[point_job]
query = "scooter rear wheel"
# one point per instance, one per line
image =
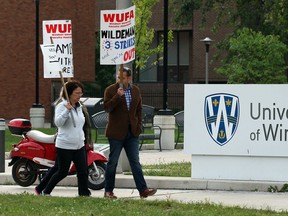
(23, 173)
(96, 181)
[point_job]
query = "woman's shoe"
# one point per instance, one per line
(44, 194)
(36, 191)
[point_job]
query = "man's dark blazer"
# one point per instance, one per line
(120, 118)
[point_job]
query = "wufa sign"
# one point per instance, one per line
(57, 48)
(117, 40)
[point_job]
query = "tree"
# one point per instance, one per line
(253, 14)
(184, 9)
(254, 58)
(265, 16)
(144, 34)
(277, 16)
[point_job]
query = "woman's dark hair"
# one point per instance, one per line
(71, 86)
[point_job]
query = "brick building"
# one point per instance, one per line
(18, 53)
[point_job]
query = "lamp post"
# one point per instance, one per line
(37, 104)
(37, 111)
(165, 118)
(207, 41)
(165, 56)
(165, 110)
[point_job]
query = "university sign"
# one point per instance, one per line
(221, 116)
(237, 131)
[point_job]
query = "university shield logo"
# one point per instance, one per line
(221, 116)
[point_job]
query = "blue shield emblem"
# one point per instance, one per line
(221, 116)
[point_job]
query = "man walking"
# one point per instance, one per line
(123, 102)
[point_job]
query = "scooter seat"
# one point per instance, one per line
(41, 137)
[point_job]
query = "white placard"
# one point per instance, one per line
(237, 132)
(59, 33)
(117, 39)
(254, 120)
(50, 61)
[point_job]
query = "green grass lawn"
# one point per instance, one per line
(28, 204)
(182, 169)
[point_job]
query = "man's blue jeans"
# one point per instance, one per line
(131, 146)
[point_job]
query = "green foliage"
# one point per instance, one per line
(275, 189)
(254, 58)
(268, 23)
(276, 18)
(144, 34)
(184, 10)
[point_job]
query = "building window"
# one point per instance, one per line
(178, 60)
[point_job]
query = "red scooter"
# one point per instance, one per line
(36, 153)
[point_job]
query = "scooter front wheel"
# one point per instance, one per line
(23, 173)
(96, 178)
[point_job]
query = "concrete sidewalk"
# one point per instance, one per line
(250, 194)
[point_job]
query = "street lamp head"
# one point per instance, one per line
(207, 41)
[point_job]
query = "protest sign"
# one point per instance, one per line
(51, 62)
(59, 33)
(117, 38)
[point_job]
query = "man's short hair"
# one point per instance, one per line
(127, 70)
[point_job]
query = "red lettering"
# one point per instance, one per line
(128, 55)
(69, 28)
(131, 14)
(109, 17)
(50, 28)
(62, 28)
(119, 17)
(127, 15)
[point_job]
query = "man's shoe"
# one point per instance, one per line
(110, 195)
(147, 192)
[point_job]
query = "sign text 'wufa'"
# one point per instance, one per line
(117, 40)
(57, 48)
